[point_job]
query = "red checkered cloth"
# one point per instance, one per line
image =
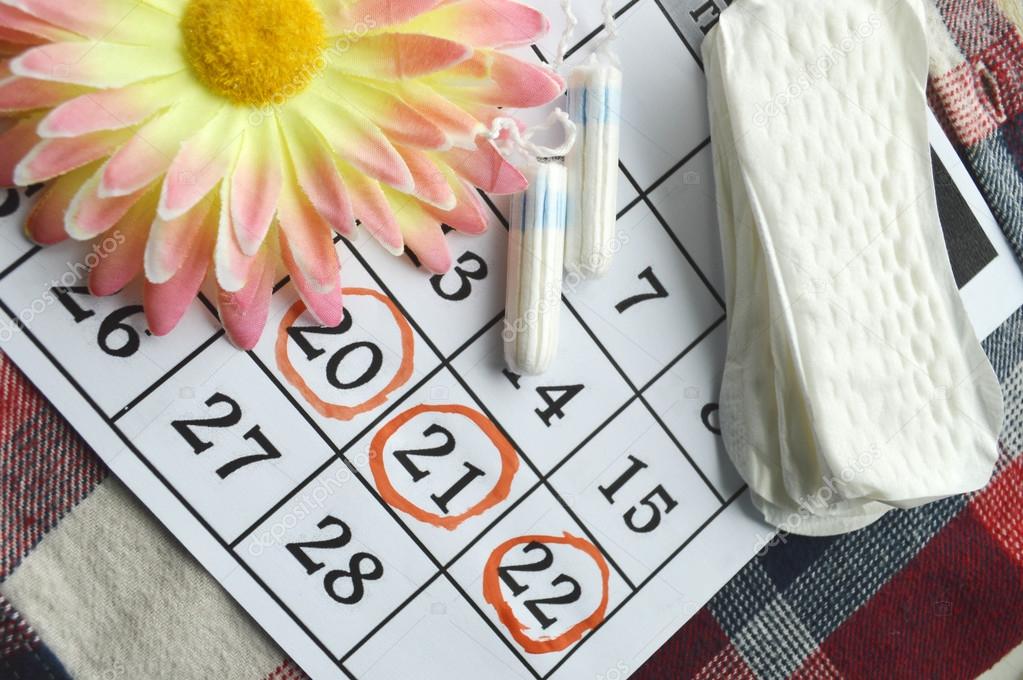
(932, 592)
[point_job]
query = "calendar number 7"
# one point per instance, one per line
(659, 291)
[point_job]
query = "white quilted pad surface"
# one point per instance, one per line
(854, 381)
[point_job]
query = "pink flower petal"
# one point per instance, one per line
(318, 175)
(172, 243)
(355, 139)
(458, 125)
(90, 214)
(165, 303)
(150, 151)
(109, 109)
(309, 241)
(483, 23)
(396, 56)
(45, 223)
(244, 313)
(326, 306)
(53, 157)
(373, 210)
(113, 20)
(100, 64)
(26, 23)
(256, 185)
(15, 143)
(200, 164)
(431, 183)
(16, 37)
(486, 168)
(502, 80)
(345, 16)
(402, 123)
(233, 267)
(469, 215)
(24, 94)
(423, 234)
(118, 267)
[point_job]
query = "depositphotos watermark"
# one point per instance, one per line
(811, 504)
(311, 504)
(73, 274)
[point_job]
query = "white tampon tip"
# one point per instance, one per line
(594, 105)
(536, 254)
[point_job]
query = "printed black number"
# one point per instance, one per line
(649, 501)
(64, 297)
(10, 203)
(571, 596)
(117, 322)
(709, 416)
(555, 397)
(186, 428)
(114, 327)
(446, 448)
(546, 561)
(12, 200)
(376, 356)
(466, 276)
(659, 291)
(354, 572)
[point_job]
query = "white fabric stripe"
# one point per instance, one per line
(115, 596)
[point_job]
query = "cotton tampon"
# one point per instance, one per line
(536, 252)
(594, 103)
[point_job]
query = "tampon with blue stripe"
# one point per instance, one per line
(536, 252)
(594, 105)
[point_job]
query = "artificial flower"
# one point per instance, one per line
(237, 135)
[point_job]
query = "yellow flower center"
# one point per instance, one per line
(254, 52)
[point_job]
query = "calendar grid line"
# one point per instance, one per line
(390, 617)
(365, 483)
(635, 397)
(642, 399)
(335, 449)
(678, 31)
(486, 411)
(168, 375)
(673, 236)
(707, 522)
(376, 496)
(493, 627)
(544, 480)
(675, 168)
(115, 428)
(22, 259)
(674, 362)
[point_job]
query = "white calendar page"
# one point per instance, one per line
(386, 500)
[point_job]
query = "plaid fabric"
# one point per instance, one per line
(933, 592)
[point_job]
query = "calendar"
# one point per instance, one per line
(385, 497)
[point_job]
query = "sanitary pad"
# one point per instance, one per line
(854, 382)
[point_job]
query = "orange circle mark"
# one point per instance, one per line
(344, 411)
(509, 466)
(492, 594)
